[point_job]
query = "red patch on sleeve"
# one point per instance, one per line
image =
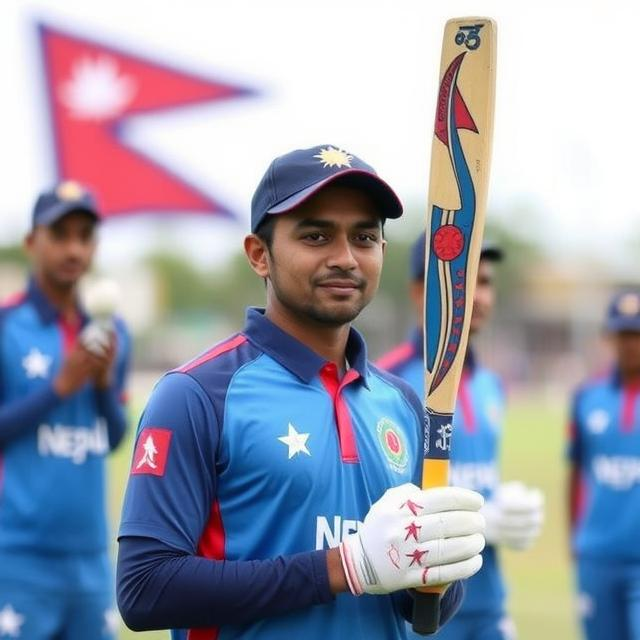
(152, 451)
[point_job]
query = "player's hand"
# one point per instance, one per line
(103, 376)
(99, 338)
(79, 367)
(514, 516)
(415, 538)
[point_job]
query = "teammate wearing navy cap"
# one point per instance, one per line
(513, 513)
(272, 487)
(604, 453)
(60, 415)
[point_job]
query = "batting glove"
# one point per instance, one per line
(415, 538)
(514, 516)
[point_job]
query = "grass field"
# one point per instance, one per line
(541, 597)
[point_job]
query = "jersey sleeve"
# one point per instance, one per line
(123, 362)
(162, 581)
(24, 414)
(111, 401)
(172, 481)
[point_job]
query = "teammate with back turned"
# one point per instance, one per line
(273, 485)
(604, 454)
(513, 513)
(60, 415)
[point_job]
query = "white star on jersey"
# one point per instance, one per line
(10, 622)
(36, 364)
(297, 442)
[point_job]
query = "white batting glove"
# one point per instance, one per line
(415, 538)
(514, 516)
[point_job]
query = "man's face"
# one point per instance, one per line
(62, 252)
(326, 257)
(483, 300)
(484, 297)
(626, 346)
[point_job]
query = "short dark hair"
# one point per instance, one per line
(265, 230)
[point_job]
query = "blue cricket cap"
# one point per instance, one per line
(296, 176)
(489, 251)
(65, 198)
(623, 313)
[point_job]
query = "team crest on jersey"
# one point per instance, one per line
(393, 444)
(151, 452)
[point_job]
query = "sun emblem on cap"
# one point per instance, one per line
(331, 157)
(69, 190)
(629, 304)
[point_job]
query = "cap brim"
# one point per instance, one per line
(616, 325)
(385, 197)
(62, 209)
(492, 253)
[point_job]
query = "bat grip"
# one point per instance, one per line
(435, 473)
(426, 612)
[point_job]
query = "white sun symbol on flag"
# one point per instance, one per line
(332, 157)
(96, 89)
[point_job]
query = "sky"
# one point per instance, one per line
(362, 76)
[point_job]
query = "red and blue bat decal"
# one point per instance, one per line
(450, 235)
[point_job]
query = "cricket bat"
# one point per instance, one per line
(458, 185)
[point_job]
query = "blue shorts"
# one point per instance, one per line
(609, 599)
(475, 626)
(62, 596)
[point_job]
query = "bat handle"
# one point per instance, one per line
(426, 612)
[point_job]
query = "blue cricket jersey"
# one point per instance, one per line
(257, 454)
(605, 447)
(477, 426)
(52, 450)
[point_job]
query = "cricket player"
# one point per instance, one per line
(60, 415)
(604, 454)
(513, 513)
(273, 485)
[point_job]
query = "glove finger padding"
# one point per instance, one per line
(449, 551)
(449, 524)
(450, 499)
(447, 573)
(521, 522)
(515, 496)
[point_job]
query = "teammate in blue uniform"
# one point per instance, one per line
(272, 487)
(60, 415)
(604, 454)
(513, 513)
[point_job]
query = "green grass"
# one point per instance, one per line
(541, 596)
(540, 580)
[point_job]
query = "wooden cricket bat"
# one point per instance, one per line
(458, 185)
